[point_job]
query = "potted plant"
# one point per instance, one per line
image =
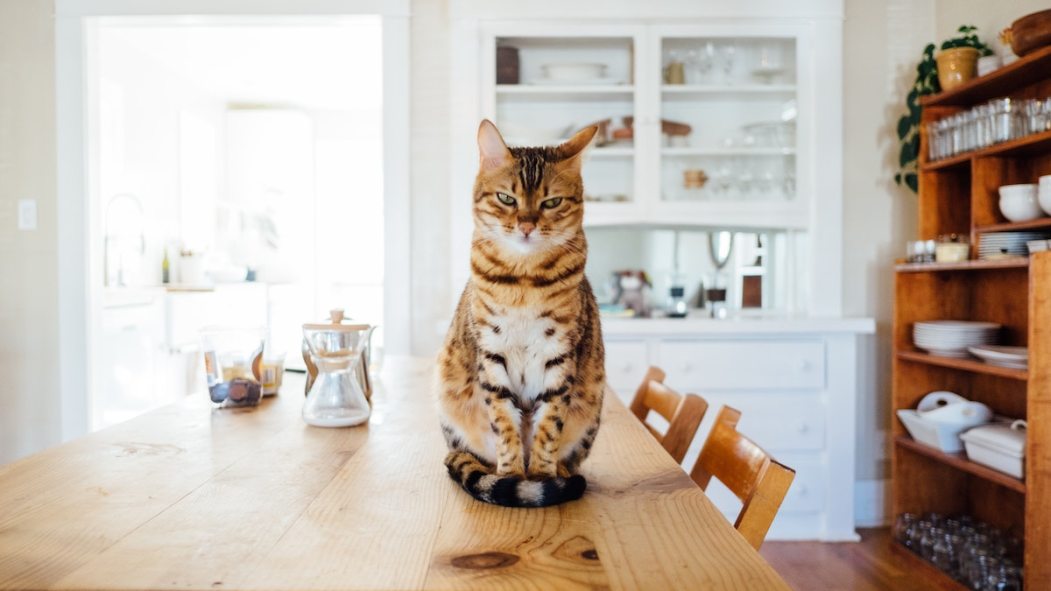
(930, 80)
(958, 58)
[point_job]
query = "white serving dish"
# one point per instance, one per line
(966, 414)
(1018, 203)
(1043, 193)
(941, 436)
(1003, 356)
(999, 446)
(1038, 245)
(938, 398)
(570, 72)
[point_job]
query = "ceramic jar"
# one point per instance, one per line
(956, 66)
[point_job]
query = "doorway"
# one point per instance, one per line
(236, 173)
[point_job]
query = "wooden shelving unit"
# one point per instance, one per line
(959, 195)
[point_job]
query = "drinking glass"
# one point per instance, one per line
(902, 528)
(727, 53)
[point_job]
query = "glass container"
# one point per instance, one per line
(337, 396)
(232, 364)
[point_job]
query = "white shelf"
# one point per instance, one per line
(701, 89)
(544, 89)
(615, 152)
(728, 151)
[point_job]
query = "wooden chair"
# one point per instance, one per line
(758, 480)
(683, 413)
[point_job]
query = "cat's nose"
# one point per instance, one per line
(527, 228)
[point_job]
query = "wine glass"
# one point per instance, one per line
(727, 53)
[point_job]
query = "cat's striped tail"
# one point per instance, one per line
(510, 491)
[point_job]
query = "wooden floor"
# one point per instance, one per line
(868, 565)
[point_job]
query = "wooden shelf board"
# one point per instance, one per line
(1039, 223)
(1036, 143)
(998, 83)
(971, 365)
(960, 462)
(924, 570)
(976, 265)
(957, 161)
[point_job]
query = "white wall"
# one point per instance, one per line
(30, 412)
(429, 106)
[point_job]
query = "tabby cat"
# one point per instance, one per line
(521, 373)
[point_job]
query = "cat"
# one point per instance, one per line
(521, 374)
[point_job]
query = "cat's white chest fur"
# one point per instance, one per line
(526, 348)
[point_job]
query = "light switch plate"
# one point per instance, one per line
(27, 214)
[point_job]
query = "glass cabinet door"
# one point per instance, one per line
(728, 114)
(548, 87)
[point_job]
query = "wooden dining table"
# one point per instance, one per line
(192, 497)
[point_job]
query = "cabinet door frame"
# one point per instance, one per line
(788, 215)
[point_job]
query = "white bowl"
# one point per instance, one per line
(1018, 203)
(987, 64)
(1044, 193)
(574, 71)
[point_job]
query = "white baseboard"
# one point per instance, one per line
(872, 503)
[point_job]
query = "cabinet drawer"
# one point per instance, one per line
(626, 363)
(807, 492)
(776, 429)
(741, 364)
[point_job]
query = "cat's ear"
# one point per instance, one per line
(492, 151)
(573, 149)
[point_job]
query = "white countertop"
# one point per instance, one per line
(738, 325)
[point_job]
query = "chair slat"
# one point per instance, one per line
(683, 412)
(759, 481)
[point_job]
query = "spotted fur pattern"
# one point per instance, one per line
(520, 377)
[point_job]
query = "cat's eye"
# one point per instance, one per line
(505, 198)
(550, 203)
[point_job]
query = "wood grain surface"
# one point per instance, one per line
(190, 497)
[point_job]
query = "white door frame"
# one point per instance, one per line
(75, 214)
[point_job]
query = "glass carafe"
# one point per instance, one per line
(337, 397)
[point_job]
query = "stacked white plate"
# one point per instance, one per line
(1013, 357)
(1000, 244)
(951, 338)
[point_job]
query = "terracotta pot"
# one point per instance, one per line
(956, 66)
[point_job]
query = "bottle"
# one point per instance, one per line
(165, 268)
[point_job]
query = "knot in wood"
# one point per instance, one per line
(485, 560)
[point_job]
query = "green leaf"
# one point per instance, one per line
(904, 126)
(913, 182)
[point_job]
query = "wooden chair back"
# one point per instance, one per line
(758, 480)
(683, 412)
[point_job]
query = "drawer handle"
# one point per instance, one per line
(803, 428)
(687, 366)
(802, 490)
(626, 368)
(805, 365)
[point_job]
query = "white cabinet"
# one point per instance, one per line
(126, 370)
(795, 383)
(760, 90)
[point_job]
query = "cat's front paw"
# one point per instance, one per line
(538, 471)
(516, 468)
